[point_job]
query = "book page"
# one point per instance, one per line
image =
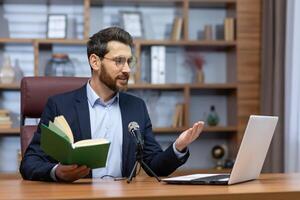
(58, 131)
(62, 123)
(90, 142)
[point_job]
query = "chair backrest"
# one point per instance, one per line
(35, 92)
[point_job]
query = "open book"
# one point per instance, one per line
(57, 141)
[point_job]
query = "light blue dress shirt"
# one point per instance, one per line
(106, 122)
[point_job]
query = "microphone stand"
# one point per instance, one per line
(139, 159)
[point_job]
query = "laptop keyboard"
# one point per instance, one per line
(213, 178)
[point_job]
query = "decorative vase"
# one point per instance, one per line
(212, 118)
(60, 65)
(7, 73)
(200, 76)
(18, 71)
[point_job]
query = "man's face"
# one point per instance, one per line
(113, 75)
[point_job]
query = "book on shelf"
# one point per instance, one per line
(158, 64)
(229, 29)
(177, 28)
(178, 116)
(5, 119)
(58, 142)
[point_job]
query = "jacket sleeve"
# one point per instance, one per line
(163, 163)
(36, 165)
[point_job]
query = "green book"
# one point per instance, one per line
(57, 141)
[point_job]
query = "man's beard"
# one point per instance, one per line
(110, 82)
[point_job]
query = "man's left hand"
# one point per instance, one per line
(188, 136)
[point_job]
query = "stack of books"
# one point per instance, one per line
(5, 119)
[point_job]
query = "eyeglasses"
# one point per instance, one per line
(120, 61)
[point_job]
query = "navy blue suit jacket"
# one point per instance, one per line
(36, 165)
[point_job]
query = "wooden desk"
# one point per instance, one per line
(270, 186)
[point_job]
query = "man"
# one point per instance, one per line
(101, 110)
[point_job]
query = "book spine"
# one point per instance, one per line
(229, 29)
(177, 28)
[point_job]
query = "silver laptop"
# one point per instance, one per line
(250, 158)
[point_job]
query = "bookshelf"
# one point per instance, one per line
(241, 57)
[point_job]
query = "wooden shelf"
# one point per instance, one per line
(157, 86)
(221, 129)
(12, 86)
(170, 86)
(43, 41)
(10, 131)
(16, 40)
(168, 129)
(61, 41)
(160, 2)
(16, 131)
(196, 43)
(218, 86)
(229, 86)
(138, 2)
(213, 1)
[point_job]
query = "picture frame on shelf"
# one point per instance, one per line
(57, 26)
(132, 22)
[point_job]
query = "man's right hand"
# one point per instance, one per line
(70, 173)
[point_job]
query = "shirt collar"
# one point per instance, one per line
(93, 98)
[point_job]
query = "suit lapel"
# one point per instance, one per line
(125, 114)
(83, 114)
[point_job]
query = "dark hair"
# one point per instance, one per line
(97, 44)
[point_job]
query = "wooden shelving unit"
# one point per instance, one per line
(242, 59)
(241, 52)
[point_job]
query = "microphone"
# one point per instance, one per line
(134, 129)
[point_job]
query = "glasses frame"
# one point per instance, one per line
(120, 66)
